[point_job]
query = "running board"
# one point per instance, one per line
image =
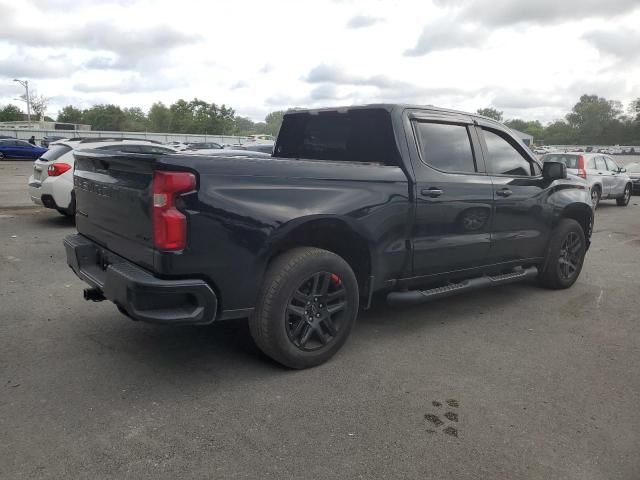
(415, 297)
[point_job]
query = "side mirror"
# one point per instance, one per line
(622, 170)
(554, 170)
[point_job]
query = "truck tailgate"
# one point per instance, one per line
(113, 202)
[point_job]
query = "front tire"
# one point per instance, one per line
(626, 196)
(307, 307)
(595, 196)
(565, 256)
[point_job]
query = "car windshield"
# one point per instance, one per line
(55, 152)
(571, 161)
(633, 168)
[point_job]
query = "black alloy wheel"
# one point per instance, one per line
(570, 258)
(315, 311)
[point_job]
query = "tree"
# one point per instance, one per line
(70, 114)
(134, 120)
(273, 122)
(37, 102)
(533, 128)
(104, 117)
(11, 113)
(159, 117)
(244, 126)
(560, 133)
(591, 116)
(491, 113)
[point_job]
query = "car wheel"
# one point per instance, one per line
(595, 196)
(565, 255)
(307, 307)
(626, 196)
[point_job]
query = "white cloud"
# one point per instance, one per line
(531, 59)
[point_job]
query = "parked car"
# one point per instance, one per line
(13, 148)
(605, 178)
(203, 146)
(258, 147)
(415, 202)
(51, 183)
(633, 170)
(259, 139)
(48, 140)
(178, 146)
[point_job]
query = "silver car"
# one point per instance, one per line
(605, 178)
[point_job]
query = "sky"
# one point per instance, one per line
(530, 59)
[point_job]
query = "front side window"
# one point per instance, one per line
(503, 157)
(445, 146)
(611, 165)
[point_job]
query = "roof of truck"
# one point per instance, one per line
(389, 107)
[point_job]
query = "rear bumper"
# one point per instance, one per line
(141, 295)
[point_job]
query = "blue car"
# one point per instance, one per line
(19, 149)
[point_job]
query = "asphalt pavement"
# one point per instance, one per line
(511, 383)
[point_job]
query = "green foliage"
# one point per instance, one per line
(491, 113)
(104, 117)
(273, 122)
(70, 114)
(11, 113)
(159, 118)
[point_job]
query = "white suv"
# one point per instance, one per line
(51, 184)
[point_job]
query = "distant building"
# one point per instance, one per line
(43, 125)
(525, 137)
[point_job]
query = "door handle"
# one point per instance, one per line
(505, 192)
(431, 192)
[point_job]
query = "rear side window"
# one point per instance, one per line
(504, 158)
(445, 146)
(55, 152)
(359, 135)
(591, 163)
(600, 165)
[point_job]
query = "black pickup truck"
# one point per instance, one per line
(413, 202)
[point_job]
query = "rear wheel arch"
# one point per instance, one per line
(334, 235)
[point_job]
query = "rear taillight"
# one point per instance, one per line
(57, 169)
(169, 223)
(581, 171)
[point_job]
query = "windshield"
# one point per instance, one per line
(55, 152)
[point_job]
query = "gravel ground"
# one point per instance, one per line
(510, 383)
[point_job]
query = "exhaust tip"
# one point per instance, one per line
(93, 295)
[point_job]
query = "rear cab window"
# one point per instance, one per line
(356, 135)
(445, 146)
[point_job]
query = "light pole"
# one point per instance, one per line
(25, 84)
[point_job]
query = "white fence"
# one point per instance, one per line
(25, 134)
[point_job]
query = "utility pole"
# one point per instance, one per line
(25, 84)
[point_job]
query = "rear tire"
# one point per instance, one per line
(307, 307)
(565, 256)
(626, 196)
